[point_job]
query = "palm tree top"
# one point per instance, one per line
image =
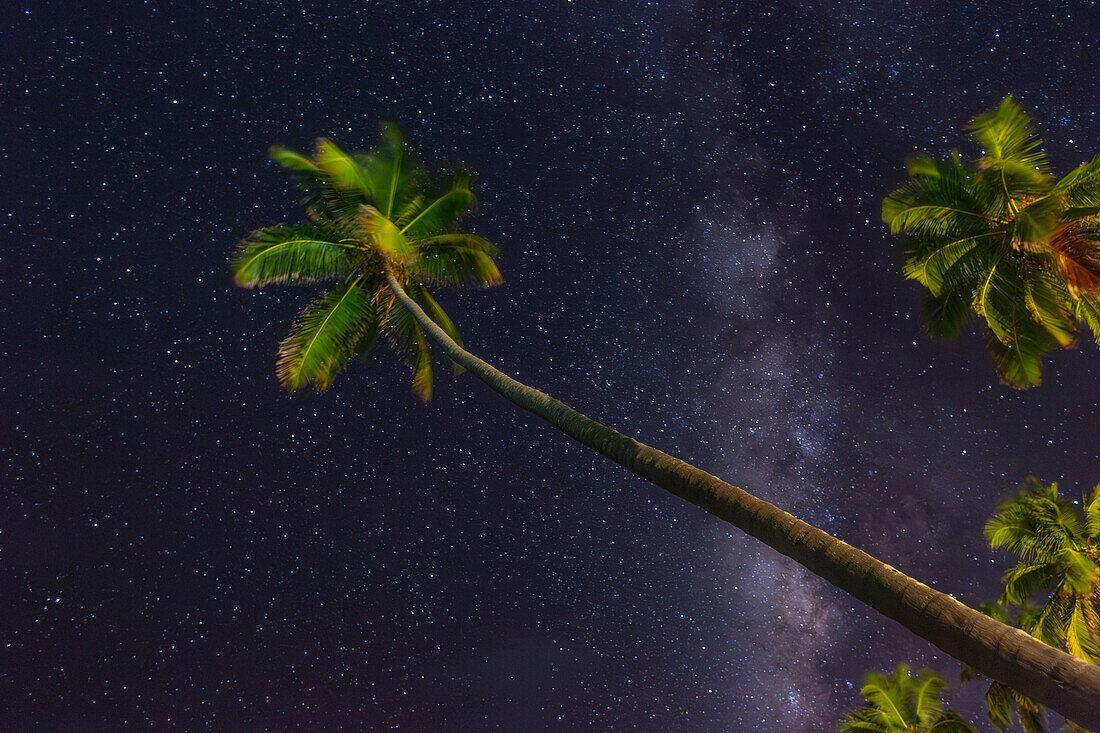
(903, 702)
(366, 213)
(1058, 547)
(1000, 238)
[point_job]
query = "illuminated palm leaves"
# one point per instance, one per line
(1060, 568)
(1059, 556)
(902, 702)
(998, 238)
(367, 213)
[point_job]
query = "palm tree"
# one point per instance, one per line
(366, 219)
(1059, 553)
(1001, 239)
(373, 232)
(904, 703)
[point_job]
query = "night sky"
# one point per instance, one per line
(686, 195)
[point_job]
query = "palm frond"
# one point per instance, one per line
(291, 254)
(862, 721)
(441, 214)
(951, 722)
(386, 238)
(1047, 300)
(926, 694)
(929, 265)
(1087, 311)
(1081, 186)
(1000, 704)
(1054, 620)
(1037, 524)
(887, 696)
(1092, 515)
(457, 259)
(950, 306)
(1006, 135)
(1080, 630)
(437, 314)
(392, 173)
(325, 336)
(1034, 223)
(293, 161)
(404, 336)
(1026, 579)
(1031, 716)
(342, 171)
(934, 220)
(1019, 364)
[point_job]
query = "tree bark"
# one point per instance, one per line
(1047, 675)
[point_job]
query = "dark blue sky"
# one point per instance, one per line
(686, 196)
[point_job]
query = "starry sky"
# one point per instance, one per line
(686, 194)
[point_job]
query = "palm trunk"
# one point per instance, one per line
(1045, 674)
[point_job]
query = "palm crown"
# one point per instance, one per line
(1001, 239)
(902, 702)
(1059, 555)
(367, 213)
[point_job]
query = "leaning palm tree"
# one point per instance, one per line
(1001, 239)
(902, 703)
(373, 231)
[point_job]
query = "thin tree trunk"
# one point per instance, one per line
(1047, 675)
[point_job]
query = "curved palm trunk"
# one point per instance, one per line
(1045, 674)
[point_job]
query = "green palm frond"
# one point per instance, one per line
(326, 335)
(1019, 363)
(442, 213)
(1000, 703)
(342, 171)
(391, 172)
(929, 265)
(926, 693)
(1054, 619)
(1087, 311)
(934, 220)
(405, 336)
(373, 227)
(291, 254)
(1081, 186)
(457, 260)
(1047, 299)
(1007, 136)
(292, 161)
(1080, 629)
(1034, 223)
(951, 722)
(1092, 516)
(1026, 579)
(437, 314)
(1037, 522)
(860, 722)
